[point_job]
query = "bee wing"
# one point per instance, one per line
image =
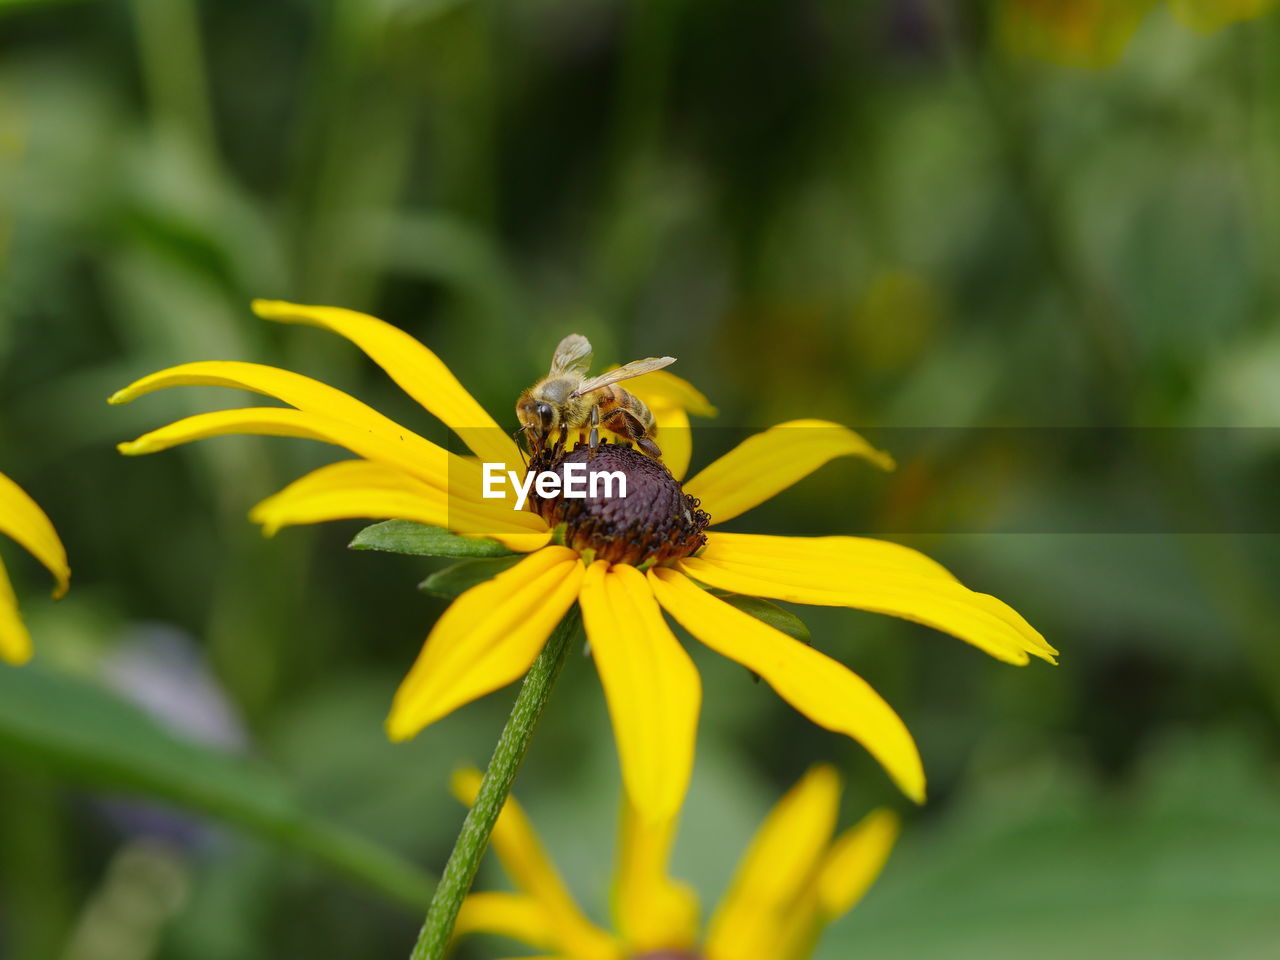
(633, 369)
(573, 355)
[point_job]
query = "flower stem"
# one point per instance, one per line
(473, 839)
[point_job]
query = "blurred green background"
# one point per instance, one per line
(889, 214)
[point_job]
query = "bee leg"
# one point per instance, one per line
(649, 447)
(623, 423)
(594, 440)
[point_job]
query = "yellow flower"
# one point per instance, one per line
(795, 878)
(1095, 33)
(25, 522)
(1075, 33)
(1207, 15)
(492, 632)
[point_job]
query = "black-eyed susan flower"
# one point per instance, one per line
(627, 563)
(796, 877)
(23, 520)
(1095, 33)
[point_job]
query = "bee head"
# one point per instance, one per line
(537, 416)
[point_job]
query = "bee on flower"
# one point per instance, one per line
(22, 519)
(796, 877)
(628, 564)
(565, 401)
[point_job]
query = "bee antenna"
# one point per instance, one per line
(515, 435)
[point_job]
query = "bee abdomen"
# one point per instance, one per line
(637, 407)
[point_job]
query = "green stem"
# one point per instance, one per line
(173, 69)
(473, 839)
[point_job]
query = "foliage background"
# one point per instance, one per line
(881, 213)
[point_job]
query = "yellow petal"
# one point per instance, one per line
(418, 371)
(509, 915)
(294, 389)
(376, 491)
(852, 575)
(671, 399)
(662, 388)
(650, 684)
(350, 489)
(23, 520)
(822, 552)
(445, 471)
(652, 911)
(778, 868)
(674, 437)
(769, 462)
(855, 861)
(15, 641)
(531, 870)
(847, 871)
(487, 638)
(429, 464)
(824, 690)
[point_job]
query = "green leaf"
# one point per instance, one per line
(422, 540)
(1040, 858)
(458, 578)
(770, 613)
(69, 727)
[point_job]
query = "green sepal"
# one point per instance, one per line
(768, 612)
(458, 578)
(423, 540)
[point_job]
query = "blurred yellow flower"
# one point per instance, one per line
(1095, 33)
(25, 522)
(493, 632)
(1076, 33)
(1209, 15)
(795, 879)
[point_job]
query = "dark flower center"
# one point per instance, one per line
(655, 522)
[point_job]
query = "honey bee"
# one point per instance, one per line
(565, 401)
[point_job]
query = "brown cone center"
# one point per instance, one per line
(654, 523)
